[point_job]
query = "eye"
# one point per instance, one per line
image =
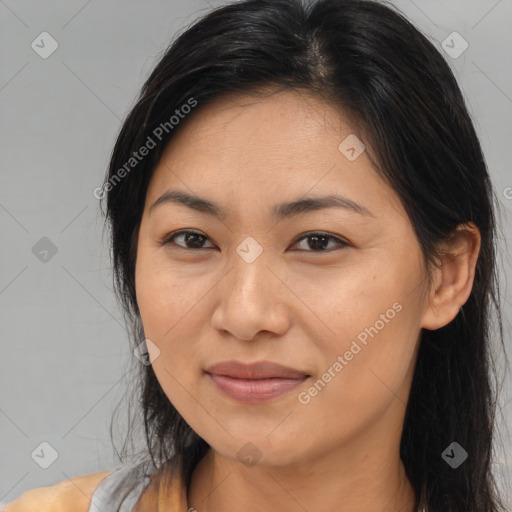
(318, 241)
(192, 237)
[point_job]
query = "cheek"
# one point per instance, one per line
(167, 317)
(157, 309)
(151, 298)
(344, 300)
(163, 296)
(372, 320)
(172, 315)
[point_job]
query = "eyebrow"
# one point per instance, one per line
(279, 211)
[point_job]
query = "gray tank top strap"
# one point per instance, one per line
(120, 490)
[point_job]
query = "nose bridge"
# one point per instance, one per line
(249, 274)
(250, 297)
(249, 262)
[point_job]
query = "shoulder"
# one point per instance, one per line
(70, 495)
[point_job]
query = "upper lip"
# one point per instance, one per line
(257, 370)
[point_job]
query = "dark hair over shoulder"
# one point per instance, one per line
(367, 59)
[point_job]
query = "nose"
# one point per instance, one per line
(251, 298)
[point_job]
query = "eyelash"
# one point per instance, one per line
(169, 240)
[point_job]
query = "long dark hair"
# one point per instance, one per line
(369, 60)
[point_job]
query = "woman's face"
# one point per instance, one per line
(344, 308)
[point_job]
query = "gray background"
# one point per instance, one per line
(64, 347)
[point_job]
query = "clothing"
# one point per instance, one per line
(121, 489)
(115, 490)
(111, 491)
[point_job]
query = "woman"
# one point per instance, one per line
(303, 235)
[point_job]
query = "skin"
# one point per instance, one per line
(294, 305)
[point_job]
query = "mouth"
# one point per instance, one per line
(256, 382)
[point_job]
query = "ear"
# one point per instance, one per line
(453, 278)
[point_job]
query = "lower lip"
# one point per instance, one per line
(254, 391)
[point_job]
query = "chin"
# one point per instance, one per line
(258, 450)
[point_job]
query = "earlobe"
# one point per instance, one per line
(454, 277)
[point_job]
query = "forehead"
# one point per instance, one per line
(283, 125)
(277, 146)
(265, 117)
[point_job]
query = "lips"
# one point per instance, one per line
(256, 382)
(259, 370)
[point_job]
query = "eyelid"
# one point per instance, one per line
(341, 242)
(168, 239)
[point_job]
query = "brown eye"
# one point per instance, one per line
(319, 241)
(191, 240)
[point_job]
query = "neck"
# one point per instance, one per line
(346, 480)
